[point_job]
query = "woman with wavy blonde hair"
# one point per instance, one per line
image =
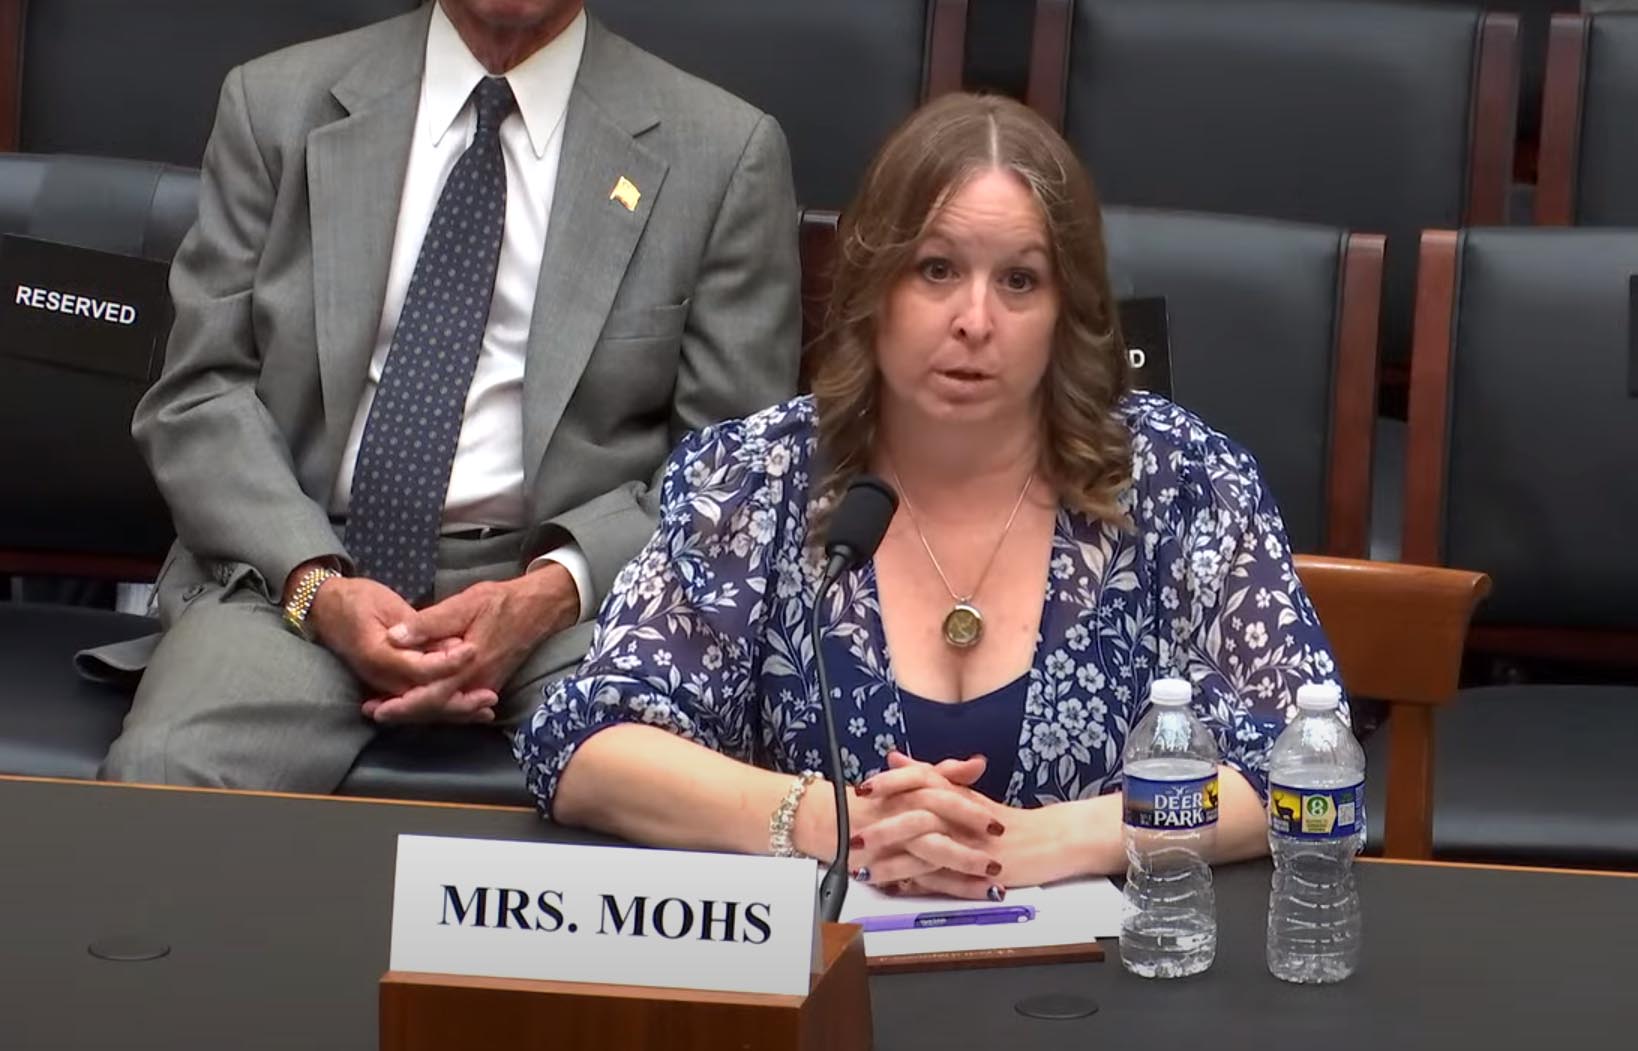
(1060, 542)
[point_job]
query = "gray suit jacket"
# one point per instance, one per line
(648, 323)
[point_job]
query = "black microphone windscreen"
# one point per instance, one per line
(861, 519)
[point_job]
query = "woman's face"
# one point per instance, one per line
(966, 333)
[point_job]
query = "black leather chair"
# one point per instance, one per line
(1589, 156)
(838, 75)
(78, 500)
(1520, 465)
(139, 78)
(1273, 341)
(1368, 115)
(61, 503)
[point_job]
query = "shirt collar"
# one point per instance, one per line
(541, 83)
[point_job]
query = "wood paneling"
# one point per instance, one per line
(1353, 406)
(946, 48)
(1049, 59)
(1495, 115)
(1558, 165)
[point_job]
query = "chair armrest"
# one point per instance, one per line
(1397, 630)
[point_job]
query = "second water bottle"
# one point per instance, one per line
(1316, 823)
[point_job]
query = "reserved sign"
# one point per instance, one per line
(83, 309)
(605, 915)
(1147, 331)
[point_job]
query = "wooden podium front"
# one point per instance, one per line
(441, 1012)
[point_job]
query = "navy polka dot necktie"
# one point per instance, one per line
(402, 474)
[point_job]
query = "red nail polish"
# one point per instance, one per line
(864, 789)
(996, 828)
(857, 842)
(890, 888)
(994, 869)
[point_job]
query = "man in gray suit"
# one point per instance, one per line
(458, 283)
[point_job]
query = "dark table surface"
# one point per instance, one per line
(277, 911)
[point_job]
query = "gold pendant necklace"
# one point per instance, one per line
(964, 624)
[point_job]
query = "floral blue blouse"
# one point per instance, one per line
(705, 633)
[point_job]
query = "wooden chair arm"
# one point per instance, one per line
(1396, 630)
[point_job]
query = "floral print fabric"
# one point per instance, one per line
(705, 633)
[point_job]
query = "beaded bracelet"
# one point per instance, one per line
(784, 816)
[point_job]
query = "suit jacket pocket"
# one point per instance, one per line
(645, 323)
(629, 379)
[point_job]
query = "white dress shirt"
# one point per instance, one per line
(486, 480)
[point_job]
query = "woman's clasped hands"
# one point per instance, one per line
(920, 828)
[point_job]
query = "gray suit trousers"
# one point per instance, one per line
(232, 699)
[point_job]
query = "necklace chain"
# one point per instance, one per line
(915, 522)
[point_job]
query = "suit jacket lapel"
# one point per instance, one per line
(591, 237)
(355, 178)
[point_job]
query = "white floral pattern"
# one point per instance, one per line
(705, 632)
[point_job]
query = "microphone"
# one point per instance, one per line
(856, 530)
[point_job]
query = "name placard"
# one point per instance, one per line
(1147, 332)
(606, 915)
(82, 309)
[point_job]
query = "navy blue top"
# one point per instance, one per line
(986, 725)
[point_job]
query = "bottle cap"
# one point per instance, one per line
(1171, 692)
(1319, 697)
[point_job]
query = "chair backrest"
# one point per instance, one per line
(1368, 115)
(1523, 428)
(77, 496)
(1273, 332)
(1589, 156)
(838, 75)
(139, 78)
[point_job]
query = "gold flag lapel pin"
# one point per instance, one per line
(626, 194)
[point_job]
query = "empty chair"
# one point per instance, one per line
(838, 75)
(78, 500)
(140, 79)
(1589, 156)
(1369, 115)
(1273, 331)
(1522, 431)
(74, 487)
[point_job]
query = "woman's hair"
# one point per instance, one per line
(1085, 449)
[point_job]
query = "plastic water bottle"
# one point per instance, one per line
(1168, 925)
(1316, 824)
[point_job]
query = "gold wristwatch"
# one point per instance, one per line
(301, 599)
